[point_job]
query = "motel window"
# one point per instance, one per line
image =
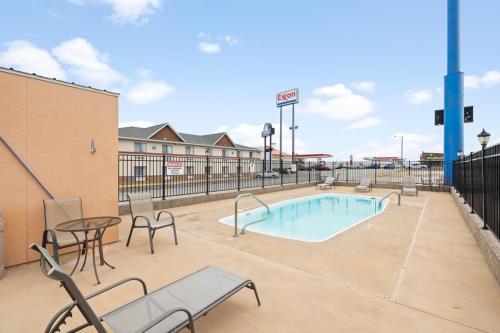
(238, 153)
(208, 151)
(189, 170)
(139, 147)
(224, 153)
(189, 151)
(139, 171)
(250, 154)
(167, 149)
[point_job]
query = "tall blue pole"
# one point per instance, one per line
(453, 94)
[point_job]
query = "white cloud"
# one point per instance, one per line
(336, 90)
(489, 79)
(338, 102)
(210, 48)
(250, 135)
(365, 123)
(418, 96)
(230, 40)
(148, 91)
(364, 86)
(86, 63)
(127, 11)
(26, 57)
(136, 123)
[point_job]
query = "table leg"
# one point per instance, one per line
(101, 251)
(96, 237)
(86, 249)
(78, 258)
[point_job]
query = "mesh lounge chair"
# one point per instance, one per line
(58, 211)
(143, 216)
(168, 309)
(364, 185)
(409, 185)
(329, 182)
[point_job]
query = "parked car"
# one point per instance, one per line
(321, 167)
(418, 166)
(373, 166)
(390, 166)
(267, 174)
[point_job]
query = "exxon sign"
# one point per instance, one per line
(287, 97)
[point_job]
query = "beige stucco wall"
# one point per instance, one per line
(51, 125)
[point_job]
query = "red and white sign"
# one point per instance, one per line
(287, 97)
(175, 168)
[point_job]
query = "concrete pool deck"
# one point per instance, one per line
(413, 268)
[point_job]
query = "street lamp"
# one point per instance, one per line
(400, 136)
(484, 138)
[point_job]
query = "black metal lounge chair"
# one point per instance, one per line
(168, 309)
(143, 216)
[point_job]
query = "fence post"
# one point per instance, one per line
(263, 171)
(471, 185)
(483, 187)
(333, 169)
(281, 171)
(409, 168)
(309, 170)
(207, 179)
(347, 173)
(163, 175)
(376, 171)
(238, 169)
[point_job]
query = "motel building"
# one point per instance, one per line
(186, 156)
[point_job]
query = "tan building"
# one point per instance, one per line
(164, 139)
(50, 124)
(141, 149)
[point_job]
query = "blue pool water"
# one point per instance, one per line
(311, 219)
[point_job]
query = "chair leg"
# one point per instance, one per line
(130, 234)
(252, 286)
(151, 241)
(154, 232)
(175, 233)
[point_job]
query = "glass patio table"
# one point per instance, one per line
(89, 225)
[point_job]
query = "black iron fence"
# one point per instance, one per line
(477, 179)
(168, 175)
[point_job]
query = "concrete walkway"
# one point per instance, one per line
(413, 268)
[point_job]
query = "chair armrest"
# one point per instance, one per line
(165, 316)
(116, 284)
(166, 212)
(142, 217)
(53, 235)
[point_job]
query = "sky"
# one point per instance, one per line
(368, 71)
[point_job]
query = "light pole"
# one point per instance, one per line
(293, 128)
(483, 138)
(400, 136)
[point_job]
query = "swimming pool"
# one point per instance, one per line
(312, 219)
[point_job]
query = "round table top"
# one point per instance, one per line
(88, 223)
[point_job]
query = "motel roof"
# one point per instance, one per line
(146, 133)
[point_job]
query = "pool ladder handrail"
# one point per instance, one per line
(236, 212)
(393, 192)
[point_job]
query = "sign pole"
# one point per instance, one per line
(293, 133)
(281, 141)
